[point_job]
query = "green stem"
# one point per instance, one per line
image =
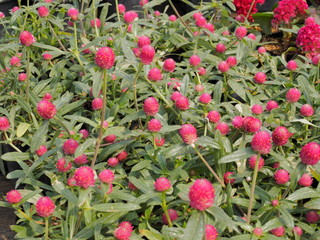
(209, 167)
(250, 9)
(46, 231)
(76, 51)
(28, 75)
(135, 92)
(29, 218)
(165, 208)
(154, 141)
(253, 186)
(55, 35)
(177, 13)
(10, 142)
(117, 8)
(103, 112)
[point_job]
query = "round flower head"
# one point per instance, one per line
(194, 60)
(73, 13)
(121, 8)
(213, 116)
(293, 95)
(312, 217)
(201, 21)
(63, 166)
(169, 65)
(4, 124)
(205, 98)
(122, 155)
(130, 16)
(154, 125)
(123, 231)
(237, 122)
(43, 11)
(15, 61)
(257, 231)
(271, 105)
(45, 207)
(172, 214)
(2, 15)
(47, 56)
(241, 32)
(278, 232)
(306, 110)
(261, 142)
(305, 180)
(97, 103)
(220, 48)
(202, 71)
(26, 38)
(252, 162)
(201, 194)
(95, 23)
(150, 106)
(310, 153)
(228, 179)
(110, 138)
(281, 176)
(113, 162)
(223, 128)
(308, 38)
(84, 133)
(188, 133)
(257, 109)
(106, 176)
(46, 109)
(162, 184)
(211, 232)
(251, 124)
(41, 150)
(143, 41)
(22, 77)
(209, 27)
(84, 177)
(14, 196)
(172, 18)
(155, 74)
(223, 66)
(260, 77)
(232, 61)
(175, 95)
(159, 141)
(147, 54)
(262, 50)
(292, 65)
(80, 160)
(280, 136)
(105, 58)
(252, 36)
(70, 146)
(182, 103)
(297, 230)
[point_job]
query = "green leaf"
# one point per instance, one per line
(237, 155)
(22, 103)
(116, 207)
(195, 226)
(237, 88)
(71, 106)
(153, 3)
(15, 156)
(178, 150)
(40, 136)
(22, 128)
(286, 217)
(131, 117)
(81, 119)
(150, 235)
(167, 129)
(218, 92)
(303, 193)
(206, 141)
(44, 46)
(220, 215)
(125, 45)
(313, 204)
(80, 149)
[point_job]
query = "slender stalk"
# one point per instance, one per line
(46, 231)
(103, 112)
(76, 43)
(250, 9)
(10, 142)
(165, 208)
(29, 218)
(117, 9)
(135, 91)
(209, 167)
(253, 186)
(55, 35)
(179, 16)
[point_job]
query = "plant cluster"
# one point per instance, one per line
(148, 126)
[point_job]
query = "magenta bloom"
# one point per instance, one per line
(201, 194)
(45, 207)
(14, 196)
(105, 58)
(84, 177)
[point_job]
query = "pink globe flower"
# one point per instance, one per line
(228, 179)
(26, 38)
(150, 106)
(155, 74)
(172, 214)
(106, 176)
(14, 196)
(211, 232)
(293, 95)
(73, 13)
(154, 125)
(162, 184)
(271, 105)
(84, 177)
(105, 58)
(194, 60)
(205, 98)
(130, 16)
(223, 128)
(201, 194)
(45, 207)
(261, 142)
(188, 133)
(4, 124)
(43, 11)
(281, 176)
(147, 54)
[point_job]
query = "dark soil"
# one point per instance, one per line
(7, 216)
